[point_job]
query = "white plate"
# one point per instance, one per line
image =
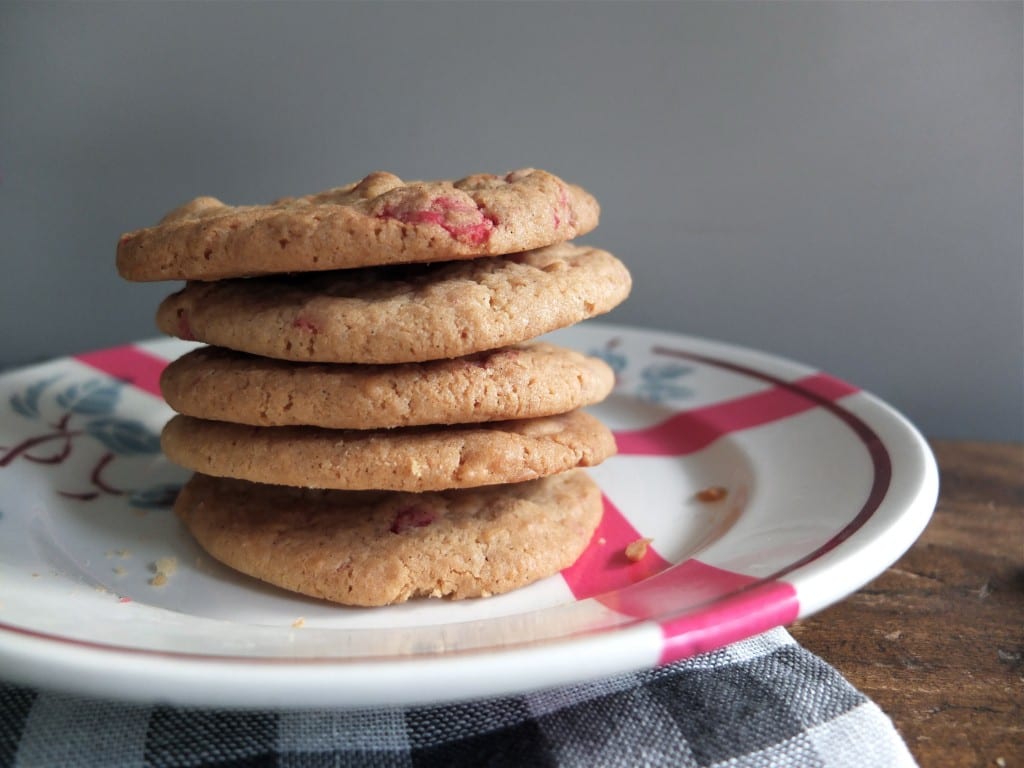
(826, 487)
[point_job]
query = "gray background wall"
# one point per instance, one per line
(840, 183)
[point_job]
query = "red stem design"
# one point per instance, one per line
(96, 478)
(32, 442)
(63, 433)
(86, 496)
(99, 482)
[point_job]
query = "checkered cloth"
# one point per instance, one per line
(761, 702)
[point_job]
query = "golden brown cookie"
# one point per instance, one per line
(379, 220)
(520, 382)
(411, 459)
(400, 314)
(366, 548)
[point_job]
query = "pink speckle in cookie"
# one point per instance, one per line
(303, 323)
(184, 329)
(564, 206)
(411, 517)
(465, 222)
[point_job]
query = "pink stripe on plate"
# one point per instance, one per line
(825, 387)
(765, 606)
(690, 431)
(713, 607)
(129, 364)
(603, 566)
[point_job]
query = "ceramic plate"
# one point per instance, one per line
(821, 487)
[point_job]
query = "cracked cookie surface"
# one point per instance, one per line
(411, 459)
(379, 220)
(400, 314)
(370, 549)
(519, 382)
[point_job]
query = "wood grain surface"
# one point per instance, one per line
(937, 641)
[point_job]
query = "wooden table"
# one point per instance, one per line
(937, 641)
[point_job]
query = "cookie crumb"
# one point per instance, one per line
(119, 571)
(299, 622)
(637, 550)
(35, 575)
(712, 493)
(164, 568)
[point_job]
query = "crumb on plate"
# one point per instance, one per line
(637, 550)
(712, 493)
(166, 565)
(163, 567)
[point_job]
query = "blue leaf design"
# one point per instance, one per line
(616, 361)
(94, 398)
(20, 406)
(664, 392)
(67, 398)
(665, 371)
(124, 436)
(157, 497)
(28, 406)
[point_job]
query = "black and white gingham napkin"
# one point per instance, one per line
(761, 702)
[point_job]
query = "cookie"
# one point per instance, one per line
(520, 382)
(380, 220)
(400, 314)
(368, 549)
(411, 459)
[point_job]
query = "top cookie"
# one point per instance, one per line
(379, 220)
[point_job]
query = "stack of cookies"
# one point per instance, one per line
(371, 420)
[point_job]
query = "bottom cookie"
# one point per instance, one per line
(368, 548)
